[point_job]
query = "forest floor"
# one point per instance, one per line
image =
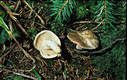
(17, 66)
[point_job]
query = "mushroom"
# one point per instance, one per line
(84, 39)
(48, 44)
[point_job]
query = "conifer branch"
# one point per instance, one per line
(63, 6)
(98, 25)
(63, 11)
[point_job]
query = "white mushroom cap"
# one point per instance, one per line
(84, 39)
(48, 44)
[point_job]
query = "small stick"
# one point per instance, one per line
(42, 21)
(20, 74)
(23, 75)
(27, 54)
(85, 22)
(17, 5)
(17, 22)
(98, 25)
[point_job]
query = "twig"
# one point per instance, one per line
(97, 25)
(102, 8)
(42, 21)
(27, 54)
(85, 22)
(3, 48)
(20, 74)
(10, 25)
(11, 14)
(80, 27)
(23, 75)
(26, 70)
(17, 22)
(41, 60)
(122, 22)
(98, 32)
(102, 51)
(17, 5)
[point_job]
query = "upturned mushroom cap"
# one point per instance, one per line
(84, 39)
(48, 44)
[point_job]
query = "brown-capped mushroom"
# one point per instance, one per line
(48, 44)
(84, 39)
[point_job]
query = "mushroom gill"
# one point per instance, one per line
(48, 44)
